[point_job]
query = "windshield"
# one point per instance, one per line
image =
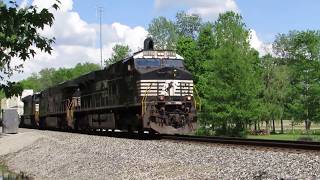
(147, 63)
(157, 63)
(172, 63)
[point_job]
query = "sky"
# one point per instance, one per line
(76, 26)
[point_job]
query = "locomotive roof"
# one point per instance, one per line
(86, 77)
(154, 54)
(94, 75)
(98, 74)
(157, 54)
(74, 83)
(27, 98)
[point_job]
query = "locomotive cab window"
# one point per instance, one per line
(147, 63)
(172, 63)
(157, 63)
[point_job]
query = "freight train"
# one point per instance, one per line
(148, 91)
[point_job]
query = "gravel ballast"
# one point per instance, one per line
(58, 155)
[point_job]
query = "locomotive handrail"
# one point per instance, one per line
(143, 101)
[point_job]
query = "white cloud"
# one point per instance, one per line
(205, 8)
(64, 6)
(70, 29)
(123, 34)
(23, 3)
(260, 46)
(77, 40)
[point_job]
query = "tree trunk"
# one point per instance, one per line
(307, 124)
(273, 127)
(292, 123)
(267, 127)
(255, 126)
(281, 120)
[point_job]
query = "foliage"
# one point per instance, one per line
(188, 25)
(187, 48)
(11, 89)
(275, 91)
(237, 87)
(196, 52)
(50, 76)
(203, 131)
(205, 46)
(301, 51)
(229, 82)
(166, 33)
(163, 32)
(119, 53)
(20, 38)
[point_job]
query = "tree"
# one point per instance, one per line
(275, 91)
(20, 37)
(230, 79)
(205, 45)
(50, 77)
(301, 51)
(119, 53)
(46, 77)
(188, 25)
(166, 33)
(196, 52)
(32, 82)
(187, 48)
(84, 68)
(163, 32)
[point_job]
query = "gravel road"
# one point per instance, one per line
(58, 155)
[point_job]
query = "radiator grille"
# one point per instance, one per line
(165, 87)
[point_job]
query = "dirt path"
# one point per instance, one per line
(11, 143)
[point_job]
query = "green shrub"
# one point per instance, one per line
(203, 131)
(305, 138)
(232, 132)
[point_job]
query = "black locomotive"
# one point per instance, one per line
(150, 90)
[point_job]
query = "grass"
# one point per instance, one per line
(291, 137)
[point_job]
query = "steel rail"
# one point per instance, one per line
(306, 145)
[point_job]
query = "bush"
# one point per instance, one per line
(315, 132)
(232, 132)
(203, 131)
(258, 132)
(305, 138)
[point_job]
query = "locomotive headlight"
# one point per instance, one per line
(161, 98)
(188, 98)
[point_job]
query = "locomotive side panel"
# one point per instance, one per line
(108, 101)
(26, 118)
(105, 121)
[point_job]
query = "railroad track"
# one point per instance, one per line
(251, 142)
(305, 145)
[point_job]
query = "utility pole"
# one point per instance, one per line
(100, 9)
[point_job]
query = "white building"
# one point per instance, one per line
(15, 102)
